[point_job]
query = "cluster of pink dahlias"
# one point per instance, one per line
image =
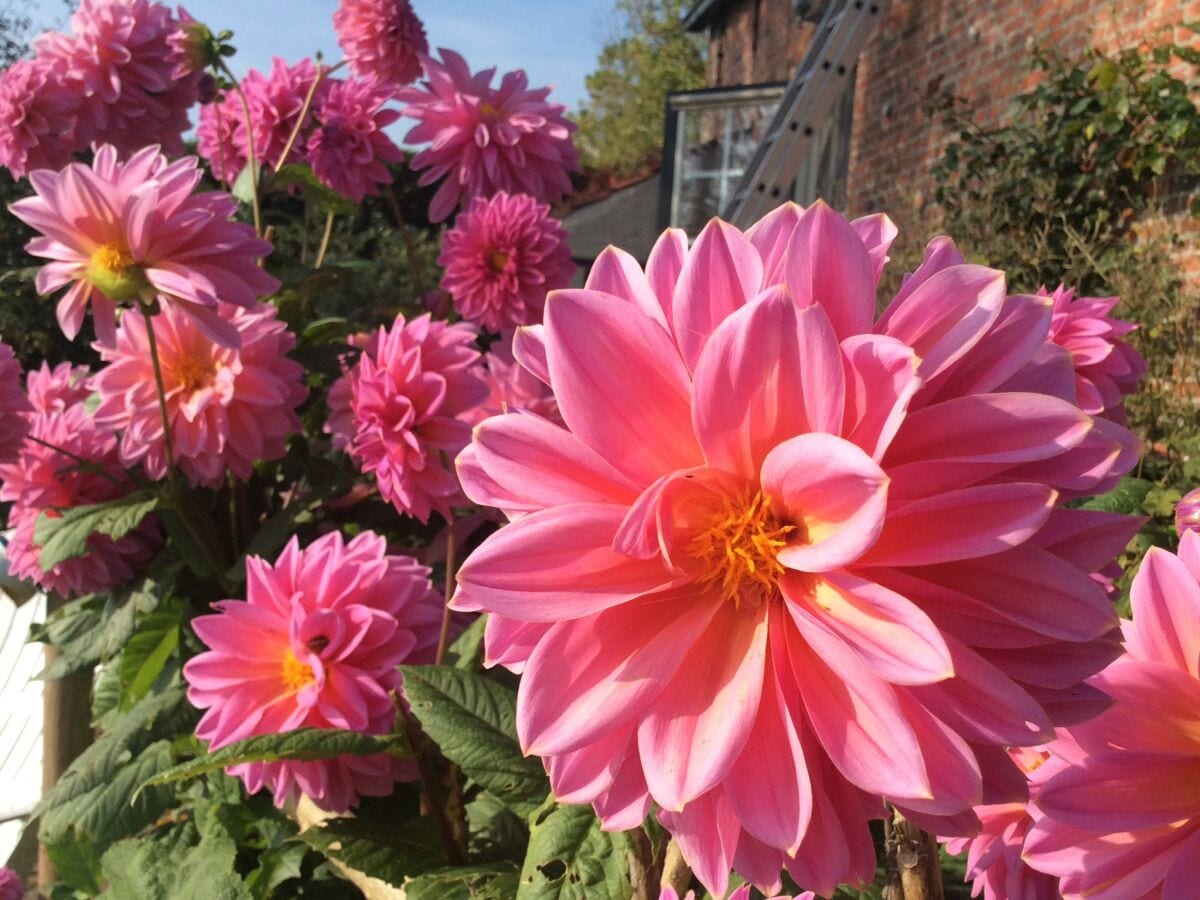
(398, 411)
(114, 80)
(339, 130)
(789, 559)
(1106, 367)
(486, 139)
(14, 407)
(227, 407)
(315, 644)
(502, 256)
(68, 460)
(137, 232)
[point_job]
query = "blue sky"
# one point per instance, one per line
(555, 41)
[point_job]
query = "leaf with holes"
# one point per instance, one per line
(571, 858)
(386, 851)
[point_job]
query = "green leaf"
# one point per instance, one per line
(467, 650)
(385, 851)
(147, 870)
(243, 185)
(301, 175)
(326, 331)
(147, 652)
(76, 630)
(1127, 497)
(473, 720)
(302, 744)
(571, 858)
(65, 535)
(496, 881)
(77, 863)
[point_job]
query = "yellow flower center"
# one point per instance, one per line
(737, 549)
(193, 374)
(114, 271)
(497, 260)
(488, 109)
(296, 675)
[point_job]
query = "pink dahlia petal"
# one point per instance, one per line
(877, 233)
(383, 40)
(228, 408)
(1168, 604)
(485, 139)
(828, 264)
(501, 258)
(664, 266)
(618, 273)
(280, 660)
(771, 236)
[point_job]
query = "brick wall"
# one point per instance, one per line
(975, 48)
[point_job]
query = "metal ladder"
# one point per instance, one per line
(819, 81)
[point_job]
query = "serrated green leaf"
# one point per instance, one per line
(496, 881)
(75, 629)
(571, 858)
(473, 720)
(147, 870)
(302, 744)
(389, 852)
(1127, 497)
(64, 535)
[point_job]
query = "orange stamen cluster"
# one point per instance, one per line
(737, 552)
(296, 675)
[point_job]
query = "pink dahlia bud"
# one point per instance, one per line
(14, 408)
(307, 650)
(37, 118)
(349, 149)
(501, 257)
(228, 408)
(382, 39)
(486, 139)
(399, 411)
(1187, 512)
(193, 47)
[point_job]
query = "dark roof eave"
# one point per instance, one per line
(702, 14)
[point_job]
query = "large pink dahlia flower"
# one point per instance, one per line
(383, 40)
(135, 231)
(37, 118)
(315, 644)
(48, 478)
(228, 408)
(1119, 813)
(787, 560)
(14, 406)
(994, 862)
(484, 139)
(121, 63)
(348, 147)
(398, 411)
(1106, 367)
(501, 257)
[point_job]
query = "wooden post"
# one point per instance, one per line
(914, 871)
(66, 731)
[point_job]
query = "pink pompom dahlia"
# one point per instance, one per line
(348, 147)
(221, 137)
(486, 139)
(47, 479)
(501, 257)
(315, 644)
(228, 408)
(120, 62)
(276, 101)
(14, 407)
(994, 862)
(786, 559)
(135, 231)
(383, 40)
(1119, 814)
(37, 118)
(398, 411)
(1106, 367)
